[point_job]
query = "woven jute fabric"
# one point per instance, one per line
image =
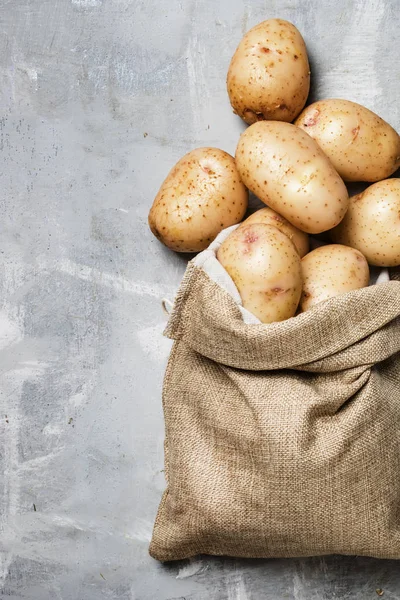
(283, 439)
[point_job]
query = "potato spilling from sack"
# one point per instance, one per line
(332, 270)
(201, 196)
(298, 171)
(372, 224)
(269, 74)
(288, 171)
(360, 145)
(270, 217)
(265, 267)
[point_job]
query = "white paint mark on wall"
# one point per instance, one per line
(141, 531)
(235, 586)
(19, 76)
(199, 91)
(87, 3)
(98, 76)
(193, 567)
(37, 463)
(11, 387)
(64, 521)
(12, 325)
(358, 61)
(82, 394)
(245, 19)
(32, 74)
(116, 282)
(30, 369)
(10, 331)
(153, 343)
(299, 593)
(53, 429)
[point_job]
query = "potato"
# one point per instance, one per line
(270, 217)
(288, 171)
(269, 74)
(361, 145)
(201, 196)
(331, 270)
(265, 266)
(372, 224)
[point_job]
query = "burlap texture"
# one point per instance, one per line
(283, 439)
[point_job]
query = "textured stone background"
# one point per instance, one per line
(81, 433)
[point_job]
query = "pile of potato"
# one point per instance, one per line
(298, 170)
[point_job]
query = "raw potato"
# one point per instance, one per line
(270, 217)
(332, 270)
(201, 196)
(269, 74)
(372, 224)
(288, 171)
(266, 269)
(361, 145)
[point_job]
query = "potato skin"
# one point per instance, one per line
(201, 196)
(329, 271)
(288, 171)
(360, 145)
(270, 217)
(372, 223)
(265, 266)
(269, 74)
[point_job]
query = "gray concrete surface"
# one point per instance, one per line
(99, 98)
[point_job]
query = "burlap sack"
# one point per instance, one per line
(282, 439)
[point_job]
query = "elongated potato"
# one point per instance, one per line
(201, 196)
(270, 217)
(361, 145)
(269, 74)
(331, 270)
(288, 171)
(265, 266)
(372, 223)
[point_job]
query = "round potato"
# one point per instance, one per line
(331, 270)
(270, 217)
(201, 196)
(360, 145)
(372, 224)
(269, 74)
(266, 268)
(288, 171)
